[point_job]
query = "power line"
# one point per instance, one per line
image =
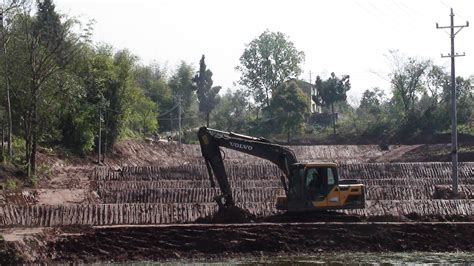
(454, 137)
(444, 4)
(457, 13)
(182, 119)
(168, 111)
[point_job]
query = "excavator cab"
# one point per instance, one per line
(315, 186)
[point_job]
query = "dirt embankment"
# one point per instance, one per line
(226, 241)
(151, 183)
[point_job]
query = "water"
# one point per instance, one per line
(374, 258)
(349, 258)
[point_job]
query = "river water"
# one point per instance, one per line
(350, 258)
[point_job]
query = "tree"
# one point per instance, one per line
(42, 47)
(289, 105)
(9, 10)
(465, 99)
(80, 119)
(331, 91)
(152, 80)
(207, 95)
(232, 112)
(436, 80)
(182, 88)
(119, 95)
(371, 101)
(372, 114)
(181, 84)
(407, 83)
(143, 113)
(266, 62)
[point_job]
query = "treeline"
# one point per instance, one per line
(419, 106)
(60, 88)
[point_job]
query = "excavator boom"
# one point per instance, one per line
(211, 140)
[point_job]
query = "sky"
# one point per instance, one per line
(351, 37)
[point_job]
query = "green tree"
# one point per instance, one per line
(330, 91)
(289, 105)
(42, 48)
(232, 112)
(80, 118)
(431, 106)
(143, 113)
(371, 101)
(266, 62)
(108, 88)
(182, 87)
(371, 115)
(407, 83)
(208, 96)
(9, 10)
(436, 80)
(152, 79)
(181, 84)
(414, 100)
(465, 100)
(119, 96)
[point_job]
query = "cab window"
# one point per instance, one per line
(319, 181)
(331, 179)
(315, 183)
(311, 177)
(296, 183)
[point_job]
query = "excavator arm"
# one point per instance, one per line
(211, 140)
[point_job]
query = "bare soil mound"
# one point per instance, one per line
(438, 153)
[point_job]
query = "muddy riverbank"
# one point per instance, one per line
(163, 243)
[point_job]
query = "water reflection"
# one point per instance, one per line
(349, 258)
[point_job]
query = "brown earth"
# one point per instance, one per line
(201, 242)
(66, 180)
(62, 170)
(438, 153)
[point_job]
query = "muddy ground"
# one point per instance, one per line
(69, 183)
(207, 242)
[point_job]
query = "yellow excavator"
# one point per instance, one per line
(308, 186)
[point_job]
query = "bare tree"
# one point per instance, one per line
(8, 10)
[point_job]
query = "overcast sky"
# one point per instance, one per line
(342, 36)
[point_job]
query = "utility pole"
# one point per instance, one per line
(105, 114)
(454, 135)
(100, 135)
(310, 93)
(3, 138)
(179, 117)
(180, 99)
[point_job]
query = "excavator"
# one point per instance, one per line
(308, 187)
